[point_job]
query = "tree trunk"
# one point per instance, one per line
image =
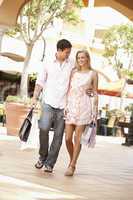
(119, 73)
(44, 48)
(24, 76)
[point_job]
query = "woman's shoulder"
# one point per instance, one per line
(94, 72)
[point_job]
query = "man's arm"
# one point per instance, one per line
(37, 91)
(40, 84)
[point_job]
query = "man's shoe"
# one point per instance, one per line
(48, 169)
(39, 164)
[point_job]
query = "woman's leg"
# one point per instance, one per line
(76, 150)
(69, 130)
(77, 146)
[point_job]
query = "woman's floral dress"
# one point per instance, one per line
(79, 104)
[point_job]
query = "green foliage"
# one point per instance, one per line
(33, 76)
(120, 36)
(13, 31)
(116, 112)
(129, 108)
(35, 17)
(70, 16)
(17, 99)
(118, 41)
(38, 14)
(127, 73)
(78, 3)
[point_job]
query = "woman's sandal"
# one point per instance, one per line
(70, 171)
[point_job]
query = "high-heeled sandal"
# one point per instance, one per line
(70, 171)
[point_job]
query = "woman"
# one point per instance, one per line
(79, 110)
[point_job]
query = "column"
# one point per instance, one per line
(3, 29)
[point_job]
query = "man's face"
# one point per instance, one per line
(64, 54)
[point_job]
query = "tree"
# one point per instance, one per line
(118, 41)
(34, 19)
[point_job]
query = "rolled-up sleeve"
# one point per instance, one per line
(42, 77)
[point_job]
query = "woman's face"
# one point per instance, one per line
(82, 59)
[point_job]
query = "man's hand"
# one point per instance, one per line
(89, 92)
(65, 112)
(33, 102)
(36, 94)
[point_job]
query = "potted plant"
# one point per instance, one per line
(114, 116)
(16, 110)
(118, 113)
(129, 108)
(129, 111)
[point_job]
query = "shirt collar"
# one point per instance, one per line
(55, 59)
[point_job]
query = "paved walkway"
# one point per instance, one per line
(103, 173)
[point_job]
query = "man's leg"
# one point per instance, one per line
(57, 139)
(45, 123)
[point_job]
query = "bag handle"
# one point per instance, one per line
(30, 113)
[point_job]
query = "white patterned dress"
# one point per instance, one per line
(79, 104)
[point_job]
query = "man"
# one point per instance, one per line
(53, 81)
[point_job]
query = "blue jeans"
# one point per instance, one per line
(50, 116)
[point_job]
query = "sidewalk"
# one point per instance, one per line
(103, 173)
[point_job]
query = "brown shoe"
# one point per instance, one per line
(70, 171)
(48, 169)
(39, 164)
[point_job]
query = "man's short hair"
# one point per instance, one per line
(63, 44)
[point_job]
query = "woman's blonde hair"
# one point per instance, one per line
(87, 55)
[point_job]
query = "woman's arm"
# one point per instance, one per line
(95, 89)
(70, 79)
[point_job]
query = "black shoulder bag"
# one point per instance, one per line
(26, 126)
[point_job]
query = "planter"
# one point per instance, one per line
(15, 114)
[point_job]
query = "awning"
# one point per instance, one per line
(115, 88)
(109, 93)
(13, 56)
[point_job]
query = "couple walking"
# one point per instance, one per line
(66, 89)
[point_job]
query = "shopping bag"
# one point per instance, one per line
(33, 139)
(88, 136)
(26, 126)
